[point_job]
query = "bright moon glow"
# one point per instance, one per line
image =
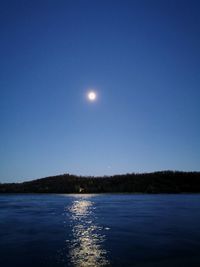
(92, 96)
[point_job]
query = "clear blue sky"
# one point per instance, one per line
(143, 59)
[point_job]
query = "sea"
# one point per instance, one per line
(82, 230)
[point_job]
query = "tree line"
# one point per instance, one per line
(156, 182)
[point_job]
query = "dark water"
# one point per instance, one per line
(99, 230)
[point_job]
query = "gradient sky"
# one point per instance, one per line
(143, 59)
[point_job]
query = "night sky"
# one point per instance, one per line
(142, 58)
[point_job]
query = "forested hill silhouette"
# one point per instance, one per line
(156, 182)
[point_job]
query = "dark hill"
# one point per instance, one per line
(157, 182)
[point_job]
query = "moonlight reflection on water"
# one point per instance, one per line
(86, 245)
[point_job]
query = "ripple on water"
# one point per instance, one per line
(86, 245)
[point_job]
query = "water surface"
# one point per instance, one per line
(99, 230)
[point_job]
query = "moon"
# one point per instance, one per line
(92, 96)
